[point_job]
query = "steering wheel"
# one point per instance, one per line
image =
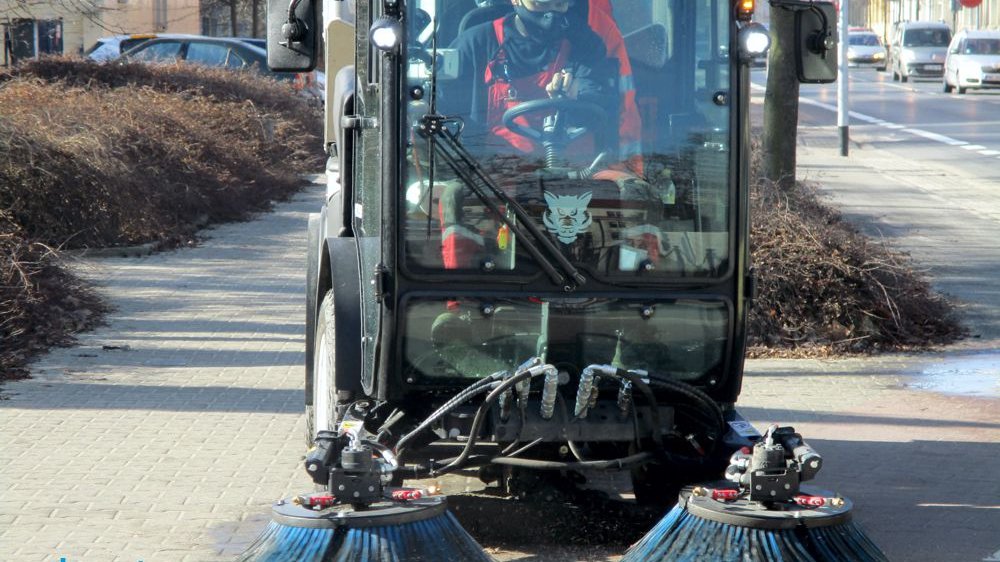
(556, 132)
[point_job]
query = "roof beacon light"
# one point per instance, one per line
(744, 9)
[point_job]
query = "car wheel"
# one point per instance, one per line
(322, 414)
(895, 76)
(947, 87)
(903, 78)
(961, 90)
(880, 69)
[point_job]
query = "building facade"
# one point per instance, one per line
(880, 15)
(33, 28)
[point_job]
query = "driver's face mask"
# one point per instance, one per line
(546, 20)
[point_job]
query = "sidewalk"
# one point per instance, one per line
(166, 435)
(912, 439)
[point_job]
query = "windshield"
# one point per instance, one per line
(864, 39)
(982, 47)
(926, 38)
(605, 125)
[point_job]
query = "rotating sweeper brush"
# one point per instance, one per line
(761, 512)
(362, 518)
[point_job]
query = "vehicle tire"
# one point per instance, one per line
(904, 79)
(322, 413)
(961, 90)
(895, 76)
(880, 69)
(947, 87)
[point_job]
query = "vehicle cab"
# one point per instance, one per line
(534, 238)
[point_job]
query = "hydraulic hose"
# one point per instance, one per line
(619, 463)
(477, 422)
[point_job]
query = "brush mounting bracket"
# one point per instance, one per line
(772, 472)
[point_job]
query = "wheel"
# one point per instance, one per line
(321, 415)
(961, 90)
(947, 87)
(880, 69)
(895, 76)
(903, 78)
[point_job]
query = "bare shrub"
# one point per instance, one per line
(824, 288)
(110, 155)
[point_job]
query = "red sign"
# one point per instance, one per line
(970, 3)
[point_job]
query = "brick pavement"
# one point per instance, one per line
(166, 434)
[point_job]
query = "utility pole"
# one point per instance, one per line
(844, 82)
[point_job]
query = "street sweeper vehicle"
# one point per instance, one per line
(532, 260)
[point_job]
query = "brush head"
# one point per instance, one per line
(743, 512)
(714, 524)
(420, 530)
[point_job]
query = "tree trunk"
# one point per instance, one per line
(232, 17)
(781, 101)
(255, 18)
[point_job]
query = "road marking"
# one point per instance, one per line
(995, 557)
(936, 137)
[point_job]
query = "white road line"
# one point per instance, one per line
(936, 137)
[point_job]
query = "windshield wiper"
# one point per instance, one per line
(445, 144)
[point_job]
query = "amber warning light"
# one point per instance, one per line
(744, 9)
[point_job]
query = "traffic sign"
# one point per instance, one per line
(970, 3)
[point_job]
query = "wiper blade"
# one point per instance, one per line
(445, 144)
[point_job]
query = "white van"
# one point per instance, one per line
(973, 61)
(918, 50)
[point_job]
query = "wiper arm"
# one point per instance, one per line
(445, 144)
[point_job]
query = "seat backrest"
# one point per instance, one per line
(483, 14)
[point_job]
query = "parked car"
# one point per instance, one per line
(865, 49)
(112, 47)
(918, 50)
(973, 61)
(224, 52)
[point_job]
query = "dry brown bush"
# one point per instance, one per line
(823, 288)
(41, 303)
(112, 155)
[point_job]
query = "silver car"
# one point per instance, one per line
(973, 61)
(865, 49)
(918, 50)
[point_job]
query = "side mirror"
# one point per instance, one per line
(816, 43)
(293, 35)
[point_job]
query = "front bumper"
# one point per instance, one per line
(929, 69)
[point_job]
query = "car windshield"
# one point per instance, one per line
(596, 148)
(926, 38)
(619, 157)
(982, 46)
(864, 39)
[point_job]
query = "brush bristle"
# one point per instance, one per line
(683, 537)
(430, 540)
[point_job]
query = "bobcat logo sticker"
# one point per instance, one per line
(567, 216)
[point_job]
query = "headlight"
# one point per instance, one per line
(754, 40)
(879, 55)
(385, 33)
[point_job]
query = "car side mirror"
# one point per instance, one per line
(816, 43)
(293, 35)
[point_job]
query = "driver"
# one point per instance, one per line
(545, 49)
